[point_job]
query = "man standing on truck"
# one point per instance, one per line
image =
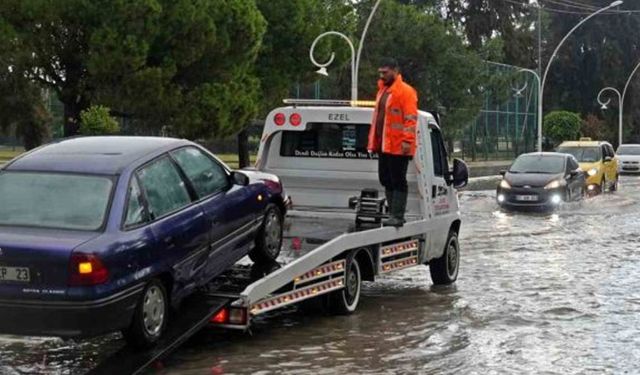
(393, 136)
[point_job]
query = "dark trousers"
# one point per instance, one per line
(392, 171)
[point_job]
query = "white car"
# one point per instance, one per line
(629, 158)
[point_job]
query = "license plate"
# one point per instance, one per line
(527, 198)
(20, 274)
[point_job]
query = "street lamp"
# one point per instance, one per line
(620, 101)
(535, 74)
(355, 59)
(604, 106)
(544, 77)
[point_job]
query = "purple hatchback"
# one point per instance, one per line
(104, 234)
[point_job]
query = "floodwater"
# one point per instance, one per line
(551, 293)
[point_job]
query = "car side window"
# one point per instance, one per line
(206, 176)
(164, 188)
(136, 212)
(612, 153)
(440, 164)
(605, 152)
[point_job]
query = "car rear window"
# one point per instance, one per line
(54, 200)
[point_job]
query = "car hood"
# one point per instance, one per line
(531, 179)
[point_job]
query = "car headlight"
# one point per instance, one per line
(504, 184)
(554, 184)
(592, 171)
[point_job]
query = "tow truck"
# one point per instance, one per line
(333, 238)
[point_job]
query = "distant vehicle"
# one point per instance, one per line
(628, 158)
(597, 159)
(101, 234)
(541, 180)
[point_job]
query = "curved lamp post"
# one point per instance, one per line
(355, 59)
(620, 101)
(604, 106)
(546, 71)
(535, 74)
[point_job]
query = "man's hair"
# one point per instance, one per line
(388, 62)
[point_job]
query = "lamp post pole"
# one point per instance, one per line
(546, 71)
(620, 109)
(355, 59)
(535, 74)
(624, 94)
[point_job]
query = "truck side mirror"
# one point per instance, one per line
(459, 174)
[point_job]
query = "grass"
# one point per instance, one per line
(8, 154)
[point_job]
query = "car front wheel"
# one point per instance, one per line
(150, 317)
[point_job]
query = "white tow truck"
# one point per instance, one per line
(333, 236)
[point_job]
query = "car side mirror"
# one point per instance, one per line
(239, 178)
(607, 159)
(459, 176)
(503, 172)
(573, 174)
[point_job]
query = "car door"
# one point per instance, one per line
(441, 204)
(221, 201)
(575, 180)
(179, 224)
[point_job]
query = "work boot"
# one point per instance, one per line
(389, 196)
(397, 210)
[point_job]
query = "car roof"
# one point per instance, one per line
(560, 154)
(582, 143)
(95, 155)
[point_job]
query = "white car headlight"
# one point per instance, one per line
(504, 184)
(554, 184)
(592, 171)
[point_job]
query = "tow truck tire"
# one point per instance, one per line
(269, 237)
(150, 316)
(345, 301)
(444, 270)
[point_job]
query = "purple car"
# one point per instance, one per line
(104, 234)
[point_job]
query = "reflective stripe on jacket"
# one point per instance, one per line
(401, 116)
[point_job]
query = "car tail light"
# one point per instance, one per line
(279, 119)
(295, 119)
(86, 270)
(230, 315)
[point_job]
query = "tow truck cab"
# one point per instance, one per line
(320, 154)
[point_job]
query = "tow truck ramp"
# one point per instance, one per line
(229, 302)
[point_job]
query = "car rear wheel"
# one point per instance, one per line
(614, 186)
(269, 238)
(150, 316)
(444, 270)
(603, 185)
(345, 301)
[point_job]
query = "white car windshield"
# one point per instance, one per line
(628, 150)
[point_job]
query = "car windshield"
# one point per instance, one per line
(538, 164)
(628, 150)
(54, 200)
(583, 154)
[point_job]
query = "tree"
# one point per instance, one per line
(183, 64)
(96, 120)
(562, 126)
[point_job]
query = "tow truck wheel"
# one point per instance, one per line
(444, 270)
(345, 301)
(269, 237)
(150, 316)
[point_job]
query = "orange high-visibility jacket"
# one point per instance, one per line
(400, 118)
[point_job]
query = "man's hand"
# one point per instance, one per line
(406, 148)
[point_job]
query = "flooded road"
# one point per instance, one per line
(537, 293)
